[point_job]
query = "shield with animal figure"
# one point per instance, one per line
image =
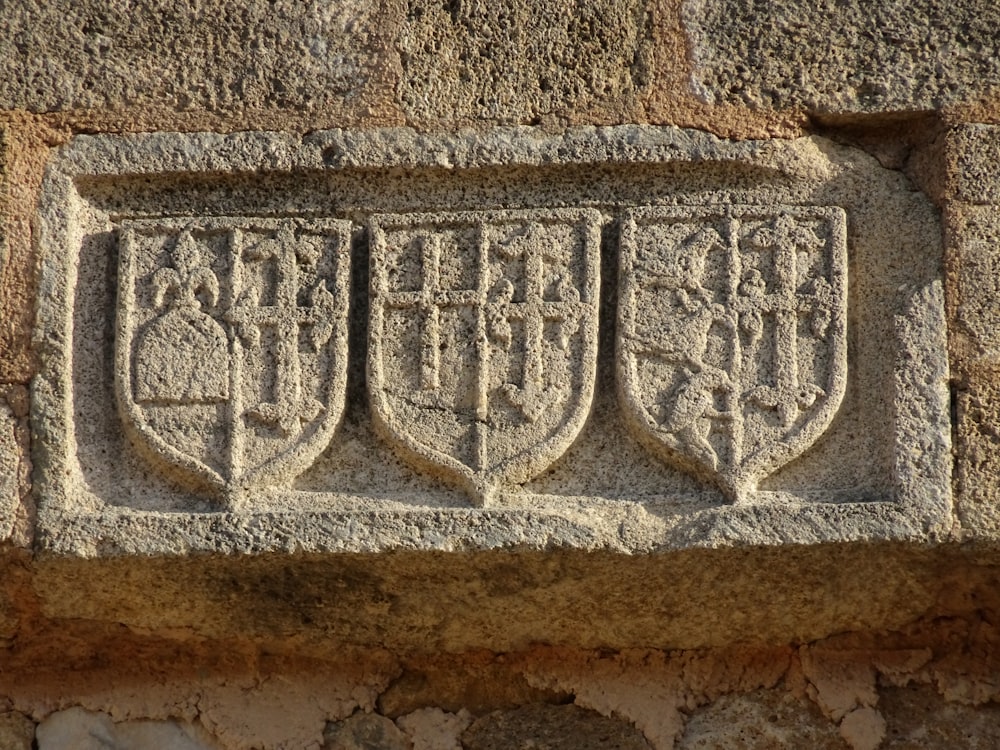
(732, 345)
(231, 345)
(483, 339)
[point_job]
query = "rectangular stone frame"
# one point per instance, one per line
(611, 169)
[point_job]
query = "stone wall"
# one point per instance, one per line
(473, 375)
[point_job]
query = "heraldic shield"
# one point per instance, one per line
(732, 347)
(483, 339)
(231, 343)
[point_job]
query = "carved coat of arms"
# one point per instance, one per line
(483, 339)
(231, 344)
(732, 348)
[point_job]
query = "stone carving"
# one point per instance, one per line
(231, 345)
(483, 339)
(732, 349)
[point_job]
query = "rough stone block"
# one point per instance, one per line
(758, 721)
(843, 56)
(181, 55)
(919, 718)
(364, 732)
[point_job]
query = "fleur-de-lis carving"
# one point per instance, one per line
(189, 277)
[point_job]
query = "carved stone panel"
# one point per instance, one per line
(231, 345)
(483, 338)
(628, 339)
(732, 341)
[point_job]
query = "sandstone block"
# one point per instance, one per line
(843, 56)
(520, 61)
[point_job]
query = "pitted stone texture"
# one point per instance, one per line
(483, 339)
(973, 151)
(919, 718)
(364, 732)
(515, 62)
(76, 729)
(179, 55)
(17, 731)
(546, 727)
(488, 361)
(762, 720)
(844, 56)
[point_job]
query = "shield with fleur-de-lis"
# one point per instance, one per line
(483, 339)
(231, 345)
(732, 335)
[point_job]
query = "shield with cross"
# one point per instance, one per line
(231, 345)
(483, 339)
(732, 345)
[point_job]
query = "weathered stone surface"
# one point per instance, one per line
(844, 56)
(179, 55)
(84, 730)
(434, 729)
(762, 720)
(17, 731)
(10, 469)
(364, 732)
(919, 718)
(24, 152)
(475, 412)
(717, 596)
(548, 727)
(519, 61)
